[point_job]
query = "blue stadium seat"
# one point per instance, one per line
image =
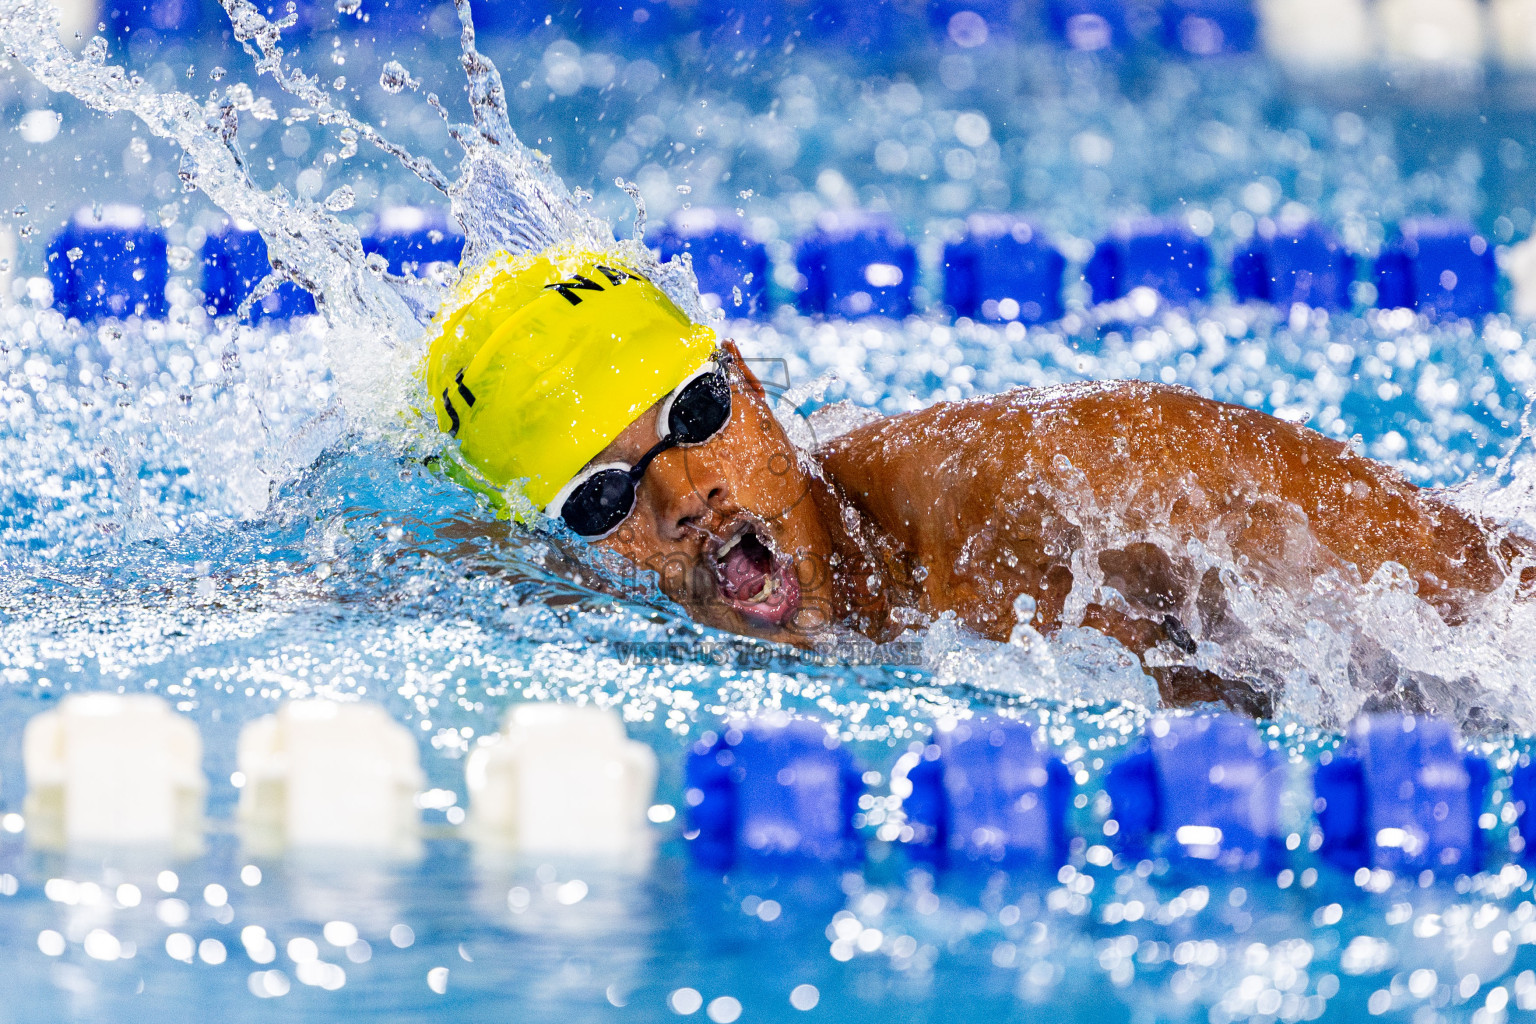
(1442, 268)
(725, 257)
(1306, 265)
(856, 264)
(518, 18)
(991, 791)
(113, 265)
(409, 238)
(631, 20)
(776, 791)
(1003, 270)
(1089, 24)
(1205, 788)
(1401, 794)
(184, 19)
(234, 263)
(1202, 28)
(1161, 255)
(862, 25)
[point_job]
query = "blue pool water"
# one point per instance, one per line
(189, 508)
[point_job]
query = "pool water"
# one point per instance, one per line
(190, 509)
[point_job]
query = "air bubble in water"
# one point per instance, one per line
(348, 6)
(394, 78)
(179, 257)
(74, 253)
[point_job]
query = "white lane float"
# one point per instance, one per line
(1318, 35)
(325, 775)
(77, 21)
(114, 769)
(1512, 32)
(562, 779)
(1432, 32)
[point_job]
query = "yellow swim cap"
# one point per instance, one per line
(539, 362)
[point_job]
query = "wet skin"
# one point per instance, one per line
(965, 506)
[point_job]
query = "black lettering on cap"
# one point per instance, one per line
(571, 287)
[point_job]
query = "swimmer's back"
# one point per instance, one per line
(1132, 456)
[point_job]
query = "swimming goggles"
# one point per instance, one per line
(601, 497)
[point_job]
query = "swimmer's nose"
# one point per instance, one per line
(693, 492)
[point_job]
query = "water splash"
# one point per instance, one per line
(505, 197)
(1327, 655)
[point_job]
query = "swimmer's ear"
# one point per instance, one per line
(748, 378)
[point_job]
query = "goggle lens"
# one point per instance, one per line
(600, 503)
(597, 505)
(701, 409)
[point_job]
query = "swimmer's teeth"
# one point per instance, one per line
(769, 586)
(726, 547)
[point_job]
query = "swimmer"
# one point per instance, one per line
(577, 390)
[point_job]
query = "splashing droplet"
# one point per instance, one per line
(633, 191)
(341, 199)
(348, 6)
(394, 78)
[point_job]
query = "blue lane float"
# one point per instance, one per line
(1003, 270)
(1088, 25)
(109, 263)
(1400, 794)
(776, 791)
(1522, 793)
(856, 264)
(986, 791)
(410, 238)
(731, 265)
(1442, 268)
(1206, 788)
(1202, 28)
(1164, 256)
(1286, 266)
(234, 263)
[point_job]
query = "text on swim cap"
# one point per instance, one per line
(453, 415)
(579, 283)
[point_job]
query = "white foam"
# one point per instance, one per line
(322, 774)
(112, 769)
(562, 778)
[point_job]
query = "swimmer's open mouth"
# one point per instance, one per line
(753, 578)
